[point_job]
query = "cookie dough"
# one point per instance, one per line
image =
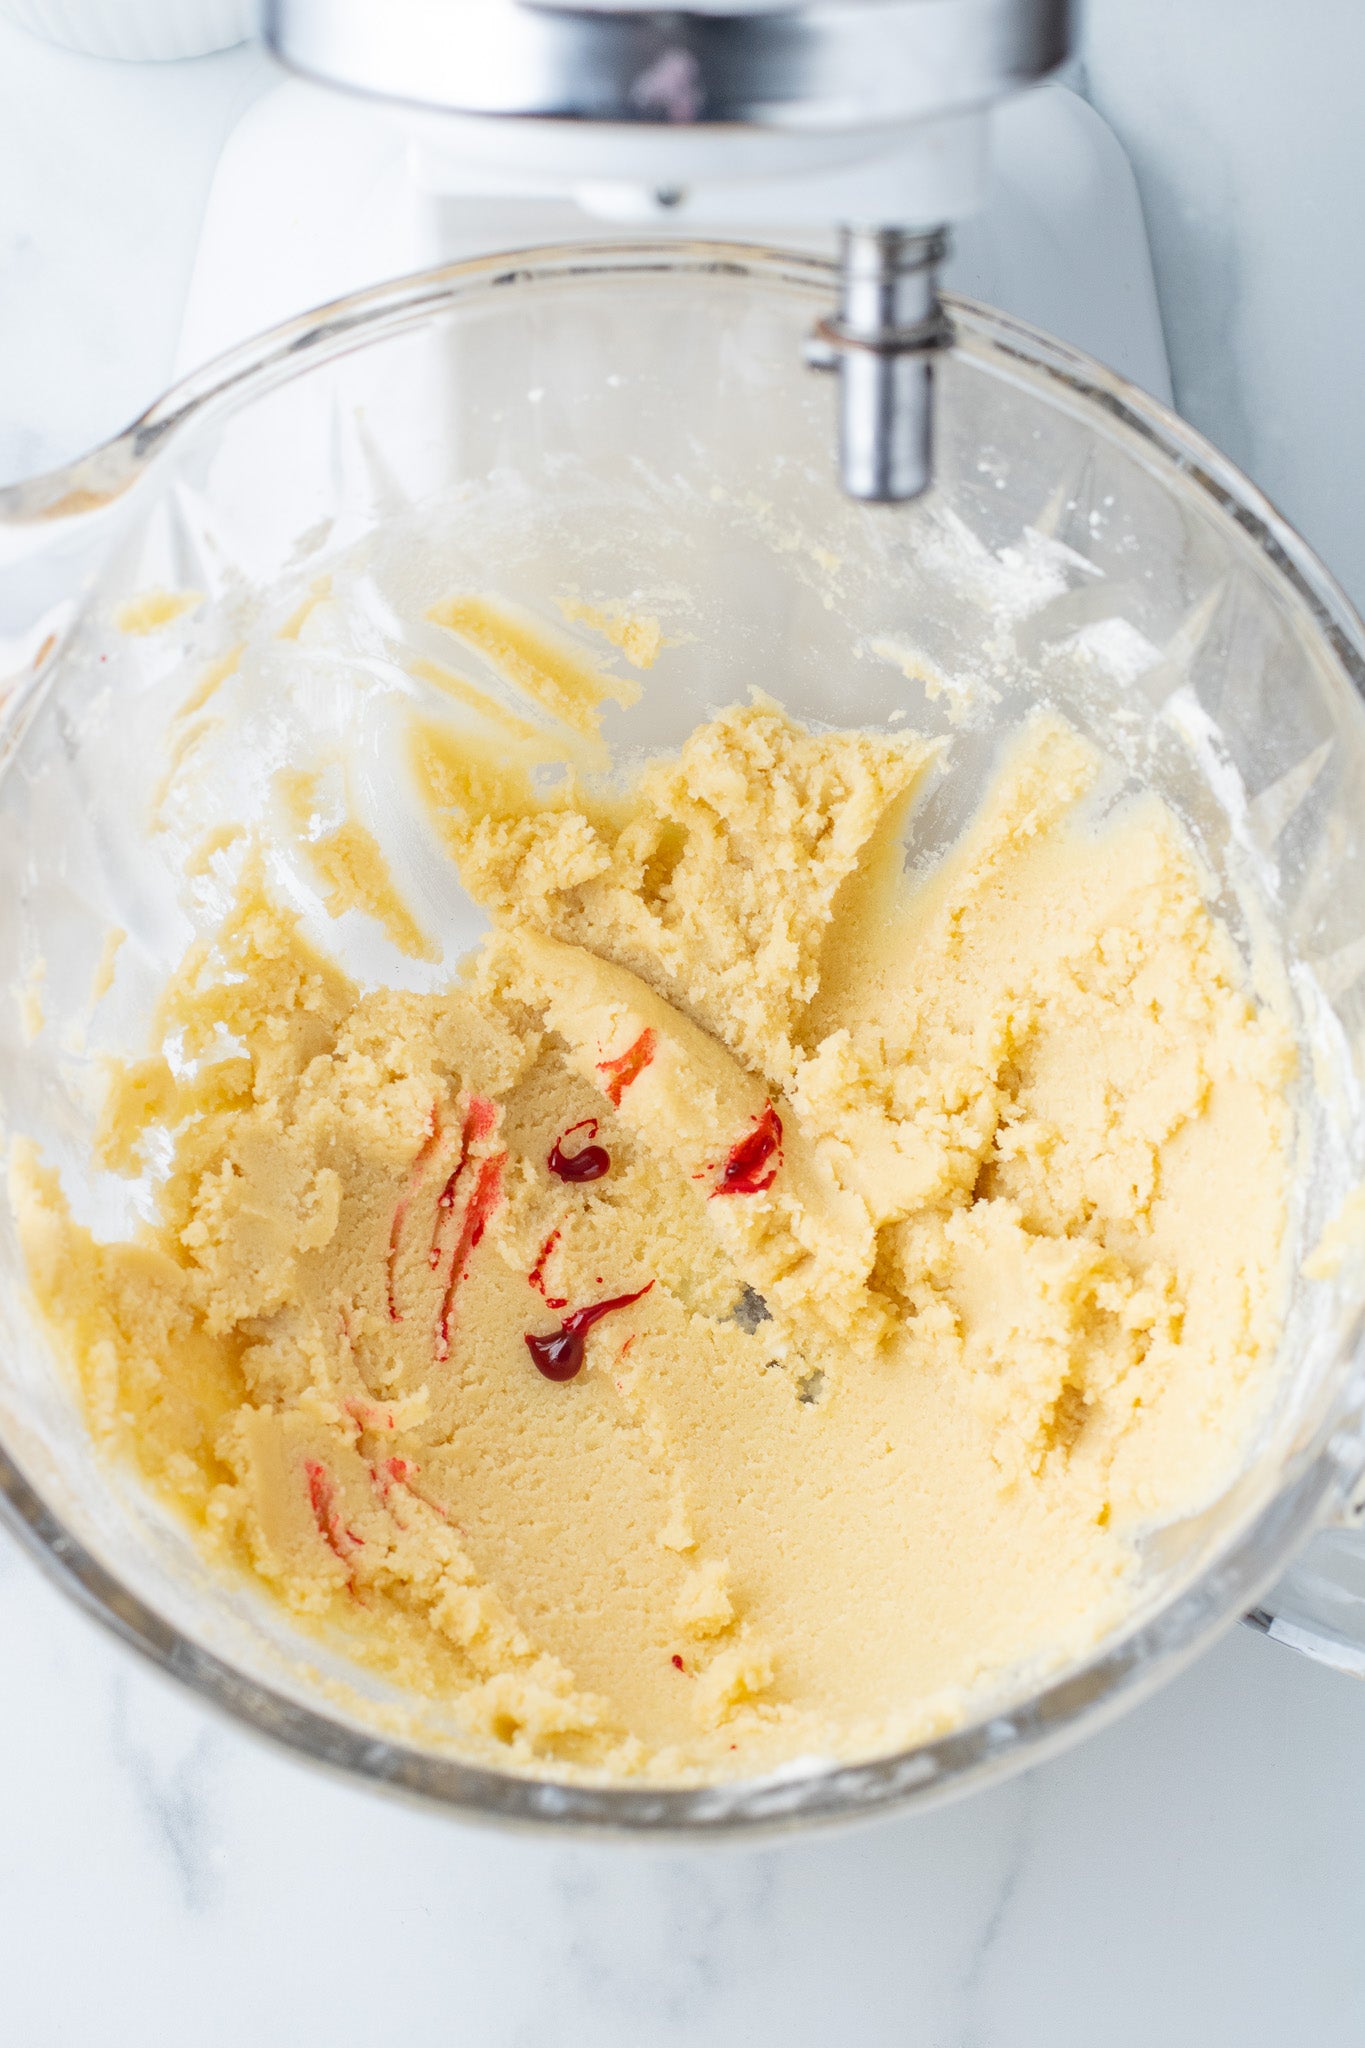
(755, 1310)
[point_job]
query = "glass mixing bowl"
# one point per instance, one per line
(636, 419)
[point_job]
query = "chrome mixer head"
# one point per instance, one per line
(750, 88)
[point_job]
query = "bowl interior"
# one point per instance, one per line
(635, 427)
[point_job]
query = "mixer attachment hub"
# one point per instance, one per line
(882, 342)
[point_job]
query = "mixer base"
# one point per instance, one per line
(317, 195)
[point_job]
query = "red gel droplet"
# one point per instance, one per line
(560, 1355)
(678, 1664)
(747, 1170)
(589, 1162)
(627, 1066)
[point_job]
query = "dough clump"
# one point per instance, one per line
(942, 1218)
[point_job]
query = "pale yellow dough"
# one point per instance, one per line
(878, 1439)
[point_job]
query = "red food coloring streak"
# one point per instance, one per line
(627, 1066)
(322, 1500)
(677, 1662)
(419, 1164)
(388, 1473)
(560, 1355)
(536, 1277)
(743, 1172)
(484, 1200)
(480, 1118)
(445, 1202)
(589, 1162)
(477, 1123)
(367, 1416)
(391, 1472)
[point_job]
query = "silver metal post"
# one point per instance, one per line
(882, 341)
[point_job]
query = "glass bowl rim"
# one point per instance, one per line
(1127, 1667)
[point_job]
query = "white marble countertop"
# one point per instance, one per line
(1192, 1877)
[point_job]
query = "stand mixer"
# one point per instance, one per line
(871, 115)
